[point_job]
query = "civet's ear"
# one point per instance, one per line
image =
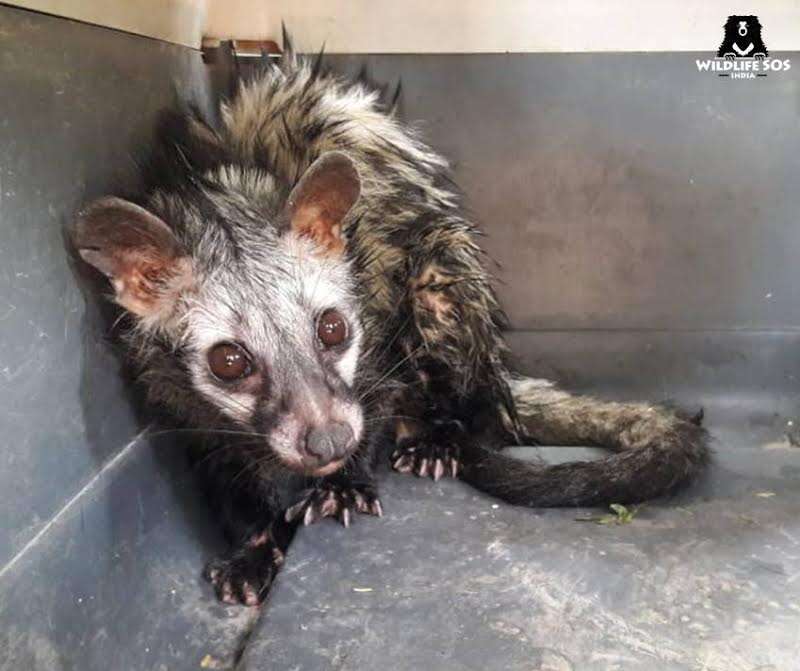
(322, 198)
(137, 251)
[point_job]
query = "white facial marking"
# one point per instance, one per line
(271, 310)
(346, 366)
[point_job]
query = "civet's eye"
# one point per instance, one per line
(229, 362)
(331, 328)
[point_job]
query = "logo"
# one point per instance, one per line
(743, 54)
(743, 39)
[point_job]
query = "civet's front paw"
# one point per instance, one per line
(245, 576)
(340, 502)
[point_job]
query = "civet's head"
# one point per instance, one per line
(244, 293)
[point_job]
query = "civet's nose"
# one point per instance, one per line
(329, 442)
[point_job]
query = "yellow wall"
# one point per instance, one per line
(179, 21)
(423, 26)
(429, 26)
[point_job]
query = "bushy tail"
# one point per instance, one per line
(655, 451)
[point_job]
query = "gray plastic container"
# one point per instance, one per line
(645, 217)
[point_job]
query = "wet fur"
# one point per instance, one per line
(431, 374)
(656, 451)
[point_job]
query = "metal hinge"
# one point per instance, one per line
(241, 49)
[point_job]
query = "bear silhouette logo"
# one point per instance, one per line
(742, 39)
